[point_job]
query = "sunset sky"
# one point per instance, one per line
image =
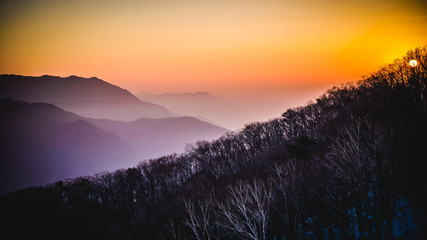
(224, 47)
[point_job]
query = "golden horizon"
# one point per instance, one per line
(221, 47)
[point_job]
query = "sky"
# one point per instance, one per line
(226, 47)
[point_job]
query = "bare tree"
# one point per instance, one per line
(246, 210)
(199, 218)
(360, 158)
(175, 231)
(288, 182)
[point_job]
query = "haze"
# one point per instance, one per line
(249, 51)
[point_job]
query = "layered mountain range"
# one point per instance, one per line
(42, 142)
(89, 97)
(203, 106)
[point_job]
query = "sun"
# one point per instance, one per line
(413, 63)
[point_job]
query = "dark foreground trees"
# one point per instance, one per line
(349, 166)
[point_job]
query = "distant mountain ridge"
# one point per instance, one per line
(206, 95)
(202, 105)
(89, 97)
(150, 136)
(41, 143)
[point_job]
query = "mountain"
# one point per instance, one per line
(89, 97)
(201, 105)
(156, 137)
(41, 143)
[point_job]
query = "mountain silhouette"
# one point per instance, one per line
(89, 97)
(157, 137)
(41, 143)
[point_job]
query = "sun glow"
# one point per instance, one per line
(224, 47)
(413, 63)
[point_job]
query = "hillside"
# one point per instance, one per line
(41, 143)
(350, 165)
(88, 97)
(157, 137)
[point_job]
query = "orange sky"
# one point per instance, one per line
(222, 46)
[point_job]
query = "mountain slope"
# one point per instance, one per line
(41, 143)
(89, 97)
(157, 137)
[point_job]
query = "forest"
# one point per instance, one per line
(350, 165)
